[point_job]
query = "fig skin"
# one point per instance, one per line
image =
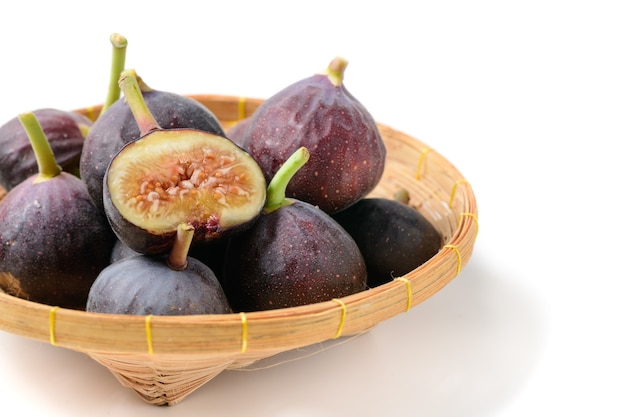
(53, 241)
(237, 132)
(393, 237)
(65, 130)
(143, 285)
(117, 127)
(319, 113)
(121, 251)
(210, 254)
(294, 255)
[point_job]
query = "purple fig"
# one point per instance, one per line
(118, 127)
(294, 254)
(169, 176)
(393, 237)
(53, 240)
(318, 112)
(64, 130)
(164, 285)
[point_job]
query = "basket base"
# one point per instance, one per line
(162, 382)
(167, 380)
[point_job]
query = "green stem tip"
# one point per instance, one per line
(118, 61)
(48, 167)
(335, 71)
(278, 185)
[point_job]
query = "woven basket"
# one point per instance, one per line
(164, 359)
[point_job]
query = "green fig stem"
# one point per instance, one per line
(278, 185)
(129, 85)
(402, 195)
(118, 60)
(177, 259)
(48, 167)
(335, 71)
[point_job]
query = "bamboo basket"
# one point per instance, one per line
(164, 359)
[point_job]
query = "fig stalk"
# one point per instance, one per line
(48, 167)
(129, 86)
(335, 71)
(276, 190)
(118, 61)
(177, 259)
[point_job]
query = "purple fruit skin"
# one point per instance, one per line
(62, 129)
(53, 241)
(347, 151)
(237, 133)
(295, 255)
(393, 237)
(144, 285)
(117, 127)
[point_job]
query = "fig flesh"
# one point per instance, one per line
(53, 240)
(319, 113)
(167, 285)
(393, 237)
(173, 176)
(65, 132)
(294, 254)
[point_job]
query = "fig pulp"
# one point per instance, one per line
(53, 240)
(318, 113)
(173, 176)
(393, 237)
(117, 127)
(64, 130)
(294, 254)
(169, 285)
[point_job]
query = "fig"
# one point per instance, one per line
(121, 251)
(173, 176)
(176, 284)
(65, 132)
(118, 127)
(319, 113)
(236, 132)
(294, 254)
(53, 240)
(393, 237)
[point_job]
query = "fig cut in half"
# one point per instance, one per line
(178, 176)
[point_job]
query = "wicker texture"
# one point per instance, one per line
(164, 359)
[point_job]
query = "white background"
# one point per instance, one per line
(526, 98)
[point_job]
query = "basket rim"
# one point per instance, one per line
(252, 332)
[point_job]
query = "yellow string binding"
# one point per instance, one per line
(458, 257)
(409, 292)
(244, 332)
(421, 163)
(53, 311)
(473, 216)
(454, 187)
(342, 320)
(241, 107)
(149, 333)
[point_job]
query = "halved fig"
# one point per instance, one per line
(173, 176)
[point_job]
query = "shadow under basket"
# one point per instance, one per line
(165, 358)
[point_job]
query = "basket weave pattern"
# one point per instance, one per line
(164, 359)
